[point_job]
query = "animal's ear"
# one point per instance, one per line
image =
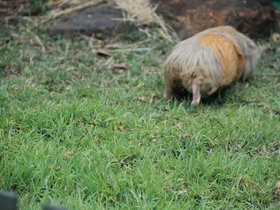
(252, 58)
(238, 49)
(255, 56)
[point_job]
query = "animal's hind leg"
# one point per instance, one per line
(169, 92)
(196, 94)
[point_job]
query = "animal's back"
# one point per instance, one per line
(228, 57)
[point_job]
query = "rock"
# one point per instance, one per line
(102, 19)
(252, 17)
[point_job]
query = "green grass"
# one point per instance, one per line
(73, 132)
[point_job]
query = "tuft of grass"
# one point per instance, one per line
(78, 133)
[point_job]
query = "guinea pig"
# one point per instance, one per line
(208, 61)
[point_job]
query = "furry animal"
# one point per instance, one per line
(208, 61)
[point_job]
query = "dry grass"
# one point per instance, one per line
(139, 11)
(61, 8)
(142, 12)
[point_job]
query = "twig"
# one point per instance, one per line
(263, 105)
(130, 50)
(37, 39)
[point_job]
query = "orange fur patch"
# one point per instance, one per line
(226, 54)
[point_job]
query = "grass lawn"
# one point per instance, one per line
(76, 132)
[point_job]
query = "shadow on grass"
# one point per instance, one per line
(218, 99)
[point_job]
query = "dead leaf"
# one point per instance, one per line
(15, 87)
(100, 41)
(57, 168)
(270, 50)
(270, 65)
(278, 187)
(103, 52)
(120, 128)
(67, 155)
(142, 99)
(276, 111)
(276, 37)
(153, 95)
(113, 46)
(122, 65)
